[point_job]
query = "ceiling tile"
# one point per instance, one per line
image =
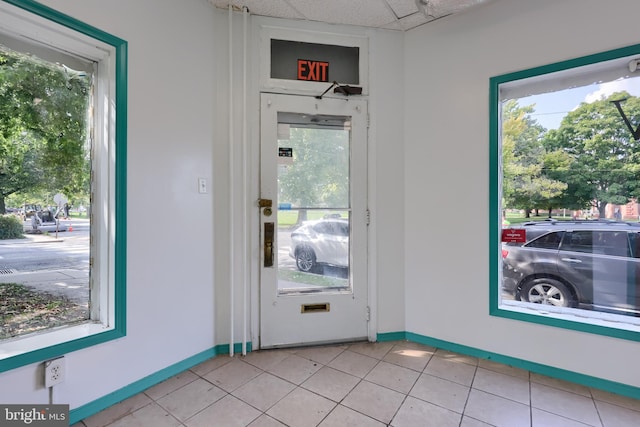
(403, 8)
(440, 8)
(277, 8)
(388, 14)
(368, 13)
(412, 21)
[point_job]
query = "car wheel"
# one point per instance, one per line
(547, 291)
(305, 259)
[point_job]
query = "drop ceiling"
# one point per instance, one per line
(388, 14)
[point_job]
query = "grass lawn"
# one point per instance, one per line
(23, 310)
(289, 218)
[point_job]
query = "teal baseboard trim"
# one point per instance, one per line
(391, 336)
(92, 408)
(538, 368)
(237, 348)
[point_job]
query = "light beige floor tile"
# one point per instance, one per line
(471, 422)
(301, 408)
(441, 392)
(118, 411)
(412, 358)
(266, 359)
(377, 350)
(295, 369)
(211, 364)
(616, 399)
(352, 363)
(171, 384)
(228, 412)
(416, 412)
(449, 369)
(375, 401)
(560, 384)
(444, 385)
(264, 391)
(541, 418)
(415, 346)
(503, 369)
(502, 385)
(331, 383)
(323, 354)
(342, 416)
(497, 411)
(187, 401)
(266, 421)
(455, 357)
(150, 415)
(616, 416)
(564, 403)
(232, 375)
(393, 376)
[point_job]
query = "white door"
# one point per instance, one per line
(313, 220)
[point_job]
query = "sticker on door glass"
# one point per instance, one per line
(285, 155)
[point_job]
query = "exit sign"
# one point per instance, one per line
(315, 71)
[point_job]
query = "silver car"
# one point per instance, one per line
(587, 264)
(321, 242)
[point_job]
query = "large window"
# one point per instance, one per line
(565, 194)
(62, 184)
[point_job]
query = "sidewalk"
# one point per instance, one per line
(35, 238)
(71, 283)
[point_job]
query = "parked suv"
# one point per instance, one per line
(586, 264)
(321, 242)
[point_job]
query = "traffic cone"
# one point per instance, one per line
(70, 228)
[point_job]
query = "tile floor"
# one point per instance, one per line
(397, 384)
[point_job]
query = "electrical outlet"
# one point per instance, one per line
(54, 372)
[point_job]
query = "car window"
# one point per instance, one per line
(547, 241)
(599, 242)
(612, 243)
(332, 228)
(634, 241)
(578, 241)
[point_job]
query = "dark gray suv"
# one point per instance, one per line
(587, 264)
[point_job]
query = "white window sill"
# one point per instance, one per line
(50, 337)
(587, 317)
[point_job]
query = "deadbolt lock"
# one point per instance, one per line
(267, 211)
(264, 203)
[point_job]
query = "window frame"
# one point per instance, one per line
(109, 148)
(603, 325)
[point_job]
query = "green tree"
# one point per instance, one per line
(605, 158)
(43, 126)
(525, 183)
(319, 173)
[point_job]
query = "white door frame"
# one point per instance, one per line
(370, 330)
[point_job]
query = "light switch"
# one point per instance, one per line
(202, 185)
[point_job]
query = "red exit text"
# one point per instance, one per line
(316, 71)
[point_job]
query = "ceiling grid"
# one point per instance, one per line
(400, 15)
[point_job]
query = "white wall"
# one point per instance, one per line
(178, 275)
(170, 272)
(447, 66)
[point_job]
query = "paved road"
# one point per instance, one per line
(58, 265)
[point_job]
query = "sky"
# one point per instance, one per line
(552, 107)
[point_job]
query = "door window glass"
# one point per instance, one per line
(313, 202)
